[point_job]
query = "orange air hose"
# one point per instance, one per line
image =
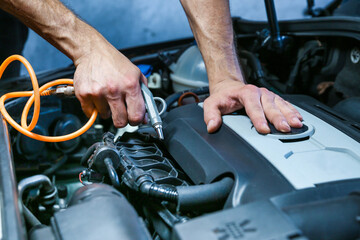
(35, 99)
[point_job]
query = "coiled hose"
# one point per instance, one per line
(35, 99)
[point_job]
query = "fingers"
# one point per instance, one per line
(119, 113)
(289, 105)
(126, 102)
(279, 112)
(87, 107)
(212, 114)
(144, 79)
(86, 103)
(260, 105)
(251, 99)
(292, 116)
(135, 105)
(102, 106)
(90, 99)
(106, 80)
(272, 111)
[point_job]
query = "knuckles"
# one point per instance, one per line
(207, 102)
(126, 86)
(112, 88)
(136, 119)
(83, 93)
(119, 123)
(250, 90)
(131, 85)
(96, 90)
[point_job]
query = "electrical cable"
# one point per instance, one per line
(80, 178)
(35, 99)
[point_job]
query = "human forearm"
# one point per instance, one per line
(211, 24)
(104, 78)
(57, 24)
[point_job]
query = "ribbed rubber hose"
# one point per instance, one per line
(199, 197)
(205, 196)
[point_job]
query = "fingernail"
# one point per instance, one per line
(296, 121)
(265, 128)
(210, 125)
(286, 127)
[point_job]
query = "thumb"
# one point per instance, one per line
(212, 116)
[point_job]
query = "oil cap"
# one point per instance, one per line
(305, 132)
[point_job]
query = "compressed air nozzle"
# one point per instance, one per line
(159, 132)
(152, 110)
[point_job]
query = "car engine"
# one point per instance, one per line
(233, 184)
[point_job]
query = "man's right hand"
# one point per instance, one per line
(106, 80)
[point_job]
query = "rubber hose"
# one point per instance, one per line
(31, 182)
(159, 192)
(30, 218)
(207, 196)
(112, 173)
(255, 64)
(35, 100)
(175, 96)
(88, 154)
(72, 172)
(56, 166)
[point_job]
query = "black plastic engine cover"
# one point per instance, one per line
(205, 157)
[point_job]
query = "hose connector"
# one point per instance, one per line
(66, 91)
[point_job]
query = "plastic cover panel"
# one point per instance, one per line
(327, 155)
(205, 157)
(240, 223)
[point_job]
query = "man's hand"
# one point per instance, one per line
(212, 27)
(260, 104)
(106, 80)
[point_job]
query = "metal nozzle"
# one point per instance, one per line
(152, 110)
(159, 131)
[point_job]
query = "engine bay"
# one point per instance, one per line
(233, 184)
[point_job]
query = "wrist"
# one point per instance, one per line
(222, 62)
(225, 80)
(226, 72)
(75, 38)
(86, 41)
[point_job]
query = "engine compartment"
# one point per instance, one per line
(233, 184)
